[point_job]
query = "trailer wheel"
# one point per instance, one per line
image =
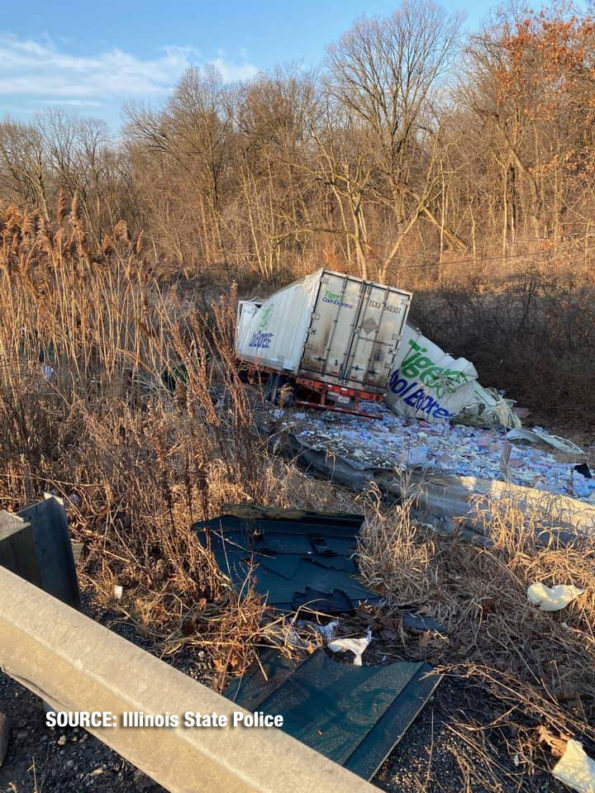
(280, 390)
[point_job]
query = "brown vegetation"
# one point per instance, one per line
(118, 389)
(409, 145)
(531, 672)
(88, 344)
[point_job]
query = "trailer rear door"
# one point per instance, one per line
(354, 332)
(379, 325)
(331, 326)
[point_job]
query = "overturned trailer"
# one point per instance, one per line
(328, 339)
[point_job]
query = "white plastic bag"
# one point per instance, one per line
(576, 769)
(552, 598)
(356, 646)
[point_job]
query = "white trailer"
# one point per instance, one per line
(334, 335)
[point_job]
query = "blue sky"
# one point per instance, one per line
(92, 57)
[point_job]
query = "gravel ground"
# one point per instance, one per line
(434, 758)
(43, 760)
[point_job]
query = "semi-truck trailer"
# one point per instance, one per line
(329, 338)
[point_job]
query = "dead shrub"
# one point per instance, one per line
(536, 668)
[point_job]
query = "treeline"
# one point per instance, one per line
(406, 143)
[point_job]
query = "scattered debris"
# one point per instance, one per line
(554, 598)
(118, 591)
(355, 646)
(326, 631)
(47, 372)
(354, 715)
(393, 442)
(539, 435)
(576, 769)
(351, 713)
(418, 624)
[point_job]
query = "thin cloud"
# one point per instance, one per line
(73, 102)
(41, 69)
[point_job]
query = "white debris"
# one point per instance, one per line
(391, 441)
(356, 646)
(47, 372)
(118, 592)
(554, 598)
(326, 631)
(538, 434)
(576, 769)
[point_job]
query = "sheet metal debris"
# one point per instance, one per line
(354, 715)
(393, 441)
(539, 435)
(297, 561)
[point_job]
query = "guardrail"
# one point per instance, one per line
(76, 664)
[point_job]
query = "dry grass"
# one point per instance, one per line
(536, 669)
(139, 463)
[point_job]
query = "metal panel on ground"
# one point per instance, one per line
(354, 715)
(300, 562)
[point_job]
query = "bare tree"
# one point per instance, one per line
(384, 71)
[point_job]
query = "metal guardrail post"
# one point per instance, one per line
(35, 544)
(76, 664)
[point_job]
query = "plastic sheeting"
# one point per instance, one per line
(430, 384)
